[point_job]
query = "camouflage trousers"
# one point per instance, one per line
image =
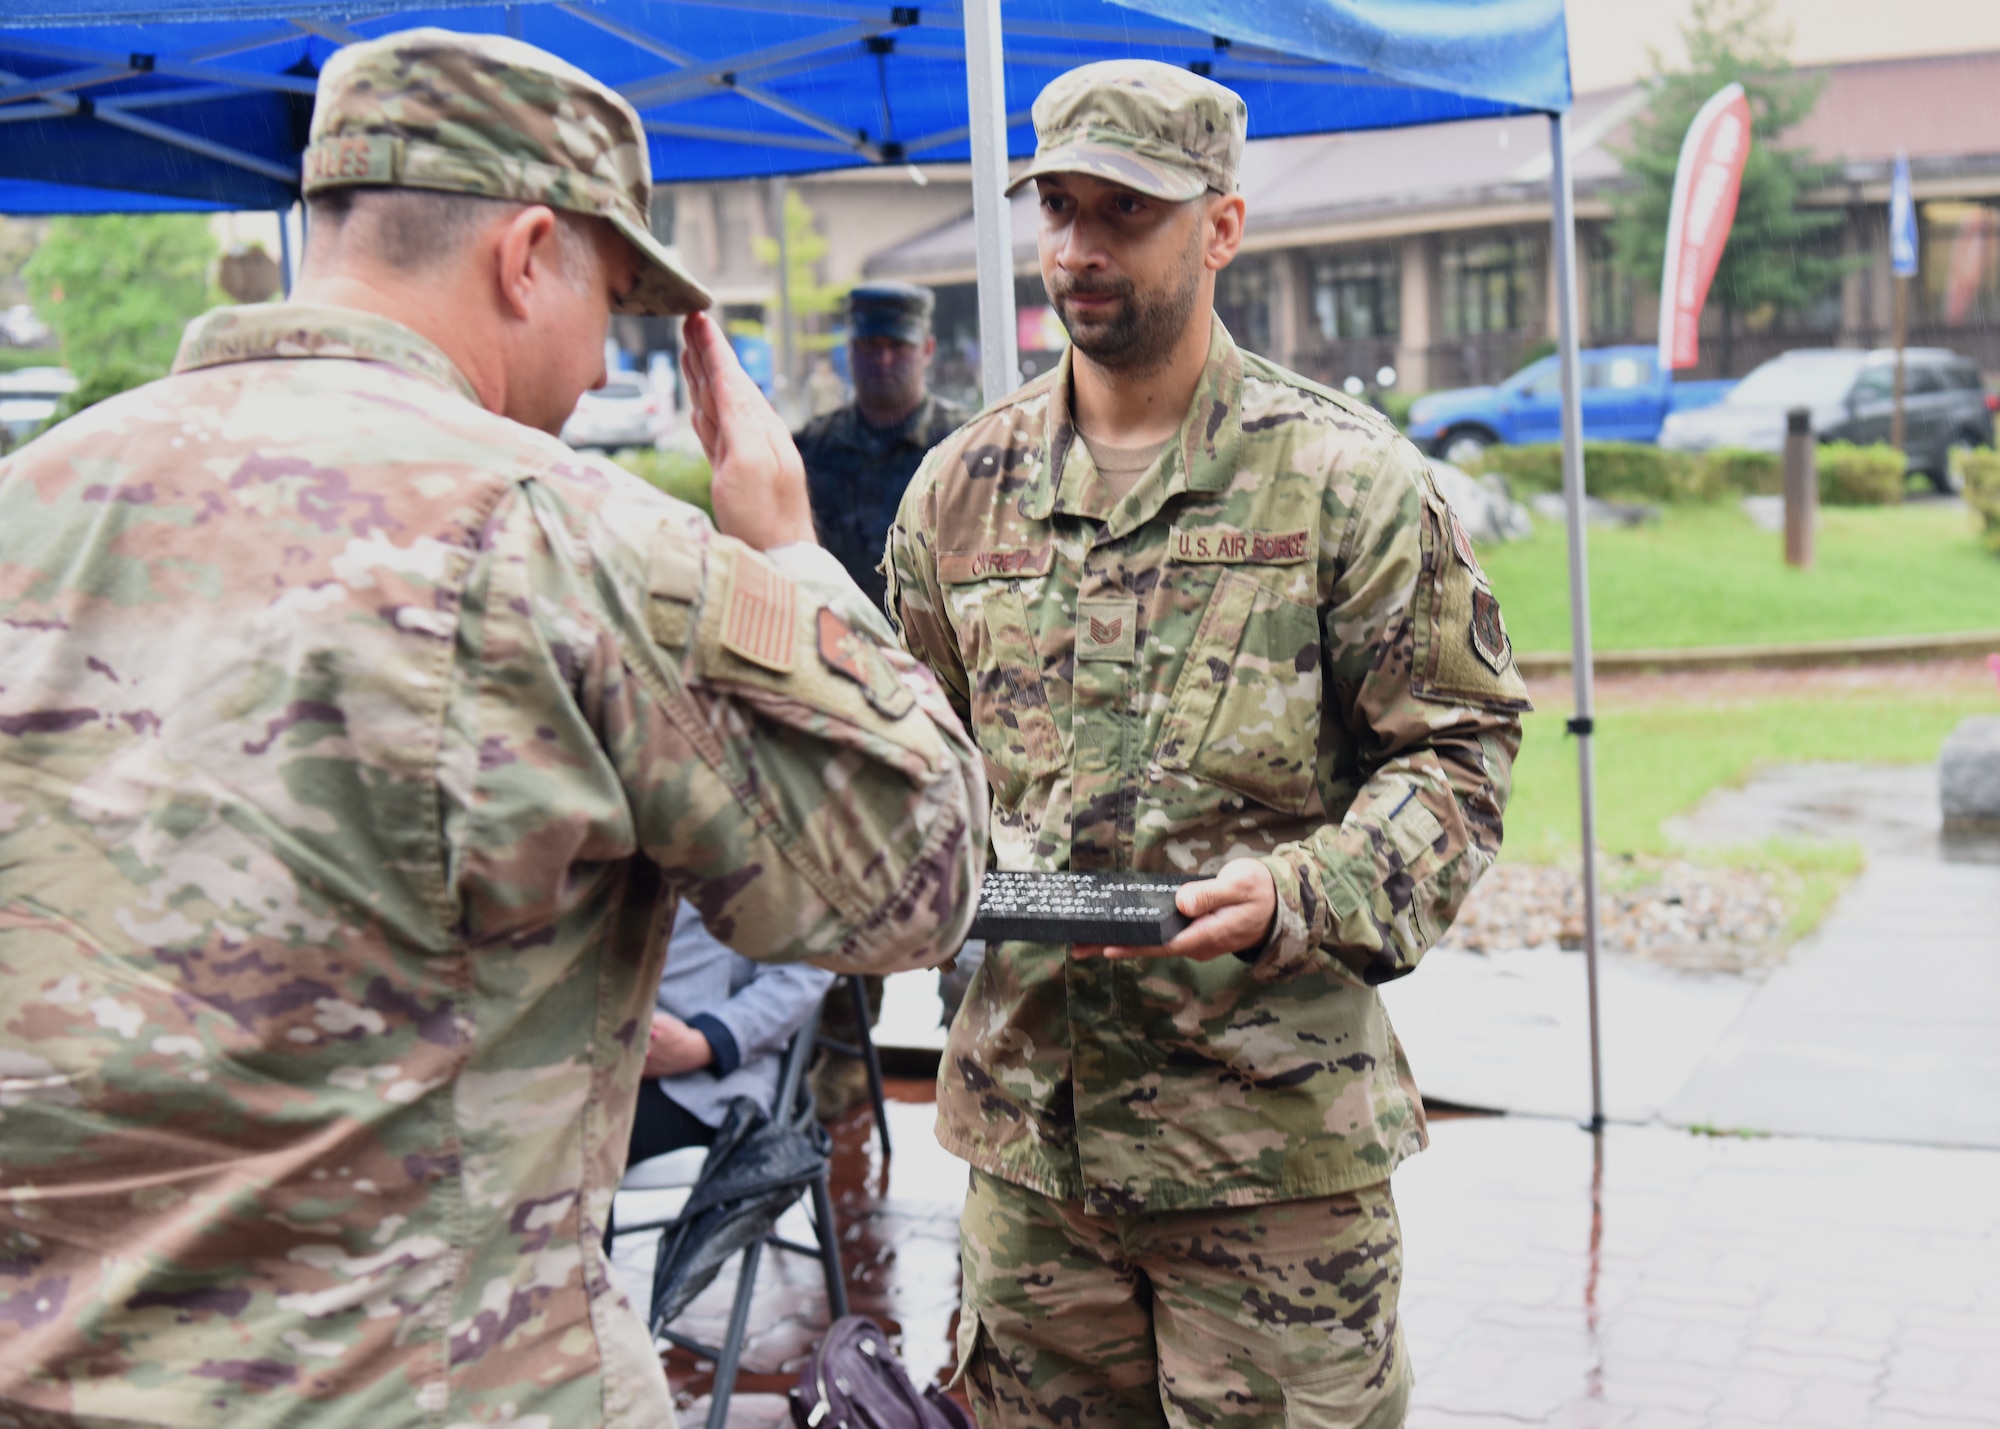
(1258, 1317)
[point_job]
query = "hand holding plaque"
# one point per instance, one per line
(1132, 915)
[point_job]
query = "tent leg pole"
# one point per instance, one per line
(992, 216)
(786, 387)
(285, 249)
(1563, 220)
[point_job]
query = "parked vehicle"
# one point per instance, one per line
(28, 398)
(1625, 399)
(1851, 395)
(621, 413)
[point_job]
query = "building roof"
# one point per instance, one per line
(1944, 111)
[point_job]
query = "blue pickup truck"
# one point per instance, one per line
(1625, 399)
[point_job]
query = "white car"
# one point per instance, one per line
(28, 397)
(621, 413)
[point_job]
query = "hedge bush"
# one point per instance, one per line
(678, 473)
(1982, 491)
(1633, 471)
(1739, 471)
(1860, 476)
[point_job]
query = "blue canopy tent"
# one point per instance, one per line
(109, 105)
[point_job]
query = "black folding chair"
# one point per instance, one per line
(727, 1211)
(858, 991)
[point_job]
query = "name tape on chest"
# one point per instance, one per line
(1220, 545)
(964, 567)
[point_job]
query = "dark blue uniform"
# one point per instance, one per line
(855, 475)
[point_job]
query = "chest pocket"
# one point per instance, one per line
(1246, 709)
(1011, 716)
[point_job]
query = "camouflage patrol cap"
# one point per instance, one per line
(488, 115)
(898, 310)
(1162, 131)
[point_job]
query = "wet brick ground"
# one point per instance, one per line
(1648, 1278)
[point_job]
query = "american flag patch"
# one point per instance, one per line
(758, 627)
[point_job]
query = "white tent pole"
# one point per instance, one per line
(1563, 218)
(285, 249)
(992, 218)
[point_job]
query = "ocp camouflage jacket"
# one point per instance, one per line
(1278, 644)
(354, 744)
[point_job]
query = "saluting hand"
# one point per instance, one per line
(1232, 911)
(760, 484)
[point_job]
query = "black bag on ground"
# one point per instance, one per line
(755, 1169)
(854, 1381)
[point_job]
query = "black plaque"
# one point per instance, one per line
(1130, 909)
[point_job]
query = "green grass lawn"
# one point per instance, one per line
(1706, 576)
(1658, 760)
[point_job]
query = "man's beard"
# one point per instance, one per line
(1139, 332)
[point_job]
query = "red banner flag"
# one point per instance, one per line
(1705, 187)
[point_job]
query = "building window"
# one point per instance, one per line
(1610, 297)
(1486, 284)
(1243, 302)
(1357, 294)
(1959, 273)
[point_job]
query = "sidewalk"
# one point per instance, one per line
(1654, 1278)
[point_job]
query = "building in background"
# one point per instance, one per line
(1427, 250)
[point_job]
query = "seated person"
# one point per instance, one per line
(720, 1027)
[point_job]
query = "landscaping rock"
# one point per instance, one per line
(1678, 914)
(1485, 506)
(1596, 511)
(1969, 775)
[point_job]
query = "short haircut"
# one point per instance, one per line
(414, 230)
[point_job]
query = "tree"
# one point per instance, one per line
(805, 246)
(1778, 257)
(118, 288)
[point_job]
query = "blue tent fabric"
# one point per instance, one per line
(207, 103)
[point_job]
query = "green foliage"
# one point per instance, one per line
(107, 381)
(13, 359)
(1534, 467)
(1777, 258)
(1743, 472)
(806, 247)
(678, 473)
(1617, 471)
(1982, 491)
(1705, 575)
(1397, 405)
(1659, 759)
(118, 288)
(1860, 476)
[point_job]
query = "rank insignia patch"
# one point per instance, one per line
(848, 655)
(1489, 632)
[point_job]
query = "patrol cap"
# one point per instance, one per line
(1162, 131)
(898, 310)
(491, 116)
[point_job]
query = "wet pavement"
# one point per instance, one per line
(1647, 1277)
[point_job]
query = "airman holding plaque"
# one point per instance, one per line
(1203, 617)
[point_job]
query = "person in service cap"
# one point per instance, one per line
(408, 726)
(1205, 618)
(859, 458)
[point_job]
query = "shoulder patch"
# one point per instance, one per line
(758, 626)
(848, 655)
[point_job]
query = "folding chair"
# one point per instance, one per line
(858, 991)
(670, 1171)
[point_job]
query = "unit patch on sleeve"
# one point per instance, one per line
(847, 654)
(1489, 632)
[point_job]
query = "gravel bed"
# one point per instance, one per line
(1684, 915)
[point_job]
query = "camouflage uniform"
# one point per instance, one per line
(1278, 644)
(355, 744)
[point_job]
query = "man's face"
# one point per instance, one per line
(888, 372)
(565, 357)
(1124, 271)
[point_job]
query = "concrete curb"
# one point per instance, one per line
(1876, 650)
